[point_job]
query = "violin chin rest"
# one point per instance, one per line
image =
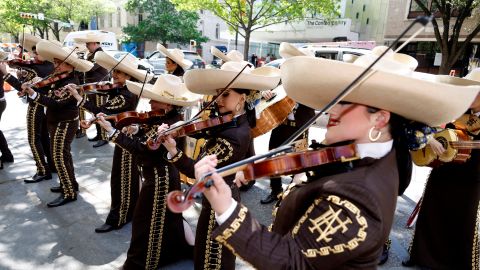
(177, 203)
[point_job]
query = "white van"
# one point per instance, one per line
(110, 44)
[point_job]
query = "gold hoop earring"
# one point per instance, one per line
(237, 108)
(376, 137)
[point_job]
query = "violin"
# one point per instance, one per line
(289, 163)
(188, 129)
(127, 118)
(21, 62)
(51, 80)
(98, 86)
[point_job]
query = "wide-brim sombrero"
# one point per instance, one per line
(176, 56)
(129, 65)
(232, 55)
(29, 41)
(474, 75)
(314, 82)
(90, 37)
(207, 81)
(50, 51)
(287, 50)
(167, 89)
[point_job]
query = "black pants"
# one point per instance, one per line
(61, 137)
(124, 184)
(38, 139)
(3, 142)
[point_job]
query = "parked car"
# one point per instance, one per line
(197, 61)
(157, 60)
(142, 62)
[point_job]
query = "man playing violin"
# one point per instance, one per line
(96, 74)
(343, 214)
(158, 235)
(62, 114)
(4, 149)
(124, 178)
(37, 131)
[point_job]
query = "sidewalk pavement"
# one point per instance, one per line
(33, 236)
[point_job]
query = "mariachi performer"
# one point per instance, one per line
(124, 180)
(158, 236)
(92, 42)
(342, 215)
(446, 232)
(175, 62)
(37, 131)
(4, 149)
(62, 113)
(231, 142)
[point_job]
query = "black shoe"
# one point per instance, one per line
(94, 139)
(58, 189)
(100, 143)
(80, 135)
(270, 198)
(385, 252)
(408, 263)
(248, 186)
(7, 159)
(38, 178)
(61, 201)
(106, 228)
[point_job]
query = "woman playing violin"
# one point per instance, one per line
(231, 142)
(158, 236)
(37, 131)
(62, 115)
(124, 176)
(340, 217)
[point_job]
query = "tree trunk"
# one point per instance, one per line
(246, 46)
(446, 64)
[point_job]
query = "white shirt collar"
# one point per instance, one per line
(374, 150)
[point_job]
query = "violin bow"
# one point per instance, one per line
(423, 20)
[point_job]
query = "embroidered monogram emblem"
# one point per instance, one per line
(328, 224)
(222, 149)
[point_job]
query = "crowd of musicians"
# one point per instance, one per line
(338, 210)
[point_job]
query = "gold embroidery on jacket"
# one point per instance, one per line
(222, 149)
(116, 103)
(332, 222)
(475, 253)
(213, 249)
(157, 219)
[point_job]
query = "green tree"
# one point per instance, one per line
(250, 15)
(450, 24)
(55, 12)
(163, 23)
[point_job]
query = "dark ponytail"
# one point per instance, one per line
(251, 116)
(400, 143)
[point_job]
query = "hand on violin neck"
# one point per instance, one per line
(72, 88)
(167, 140)
(103, 122)
(85, 124)
(219, 193)
(27, 89)
(131, 129)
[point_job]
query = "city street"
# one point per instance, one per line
(33, 236)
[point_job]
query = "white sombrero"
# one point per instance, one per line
(474, 75)
(176, 56)
(3, 56)
(29, 41)
(90, 37)
(129, 65)
(232, 55)
(207, 81)
(316, 81)
(287, 50)
(167, 89)
(49, 51)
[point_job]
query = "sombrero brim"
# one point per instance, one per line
(216, 52)
(96, 38)
(207, 81)
(136, 88)
(50, 51)
(3, 56)
(314, 82)
(108, 62)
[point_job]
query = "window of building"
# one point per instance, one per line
(352, 1)
(364, 7)
(110, 20)
(356, 16)
(140, 17)
(368, 20)
(119, 17)
(100, 22)
(217, 31)
(201, 28)
(415, 9)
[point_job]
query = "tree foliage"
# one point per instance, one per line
(162, 22)
(250, 15)
(449, 24)
(54, 10)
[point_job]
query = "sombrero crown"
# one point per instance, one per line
(167, 89)
(129, 65)
(50, 51)
(207, 81)
(29, 41)
(392, 87)
(90, 37)
(287, 51)
(232, 55)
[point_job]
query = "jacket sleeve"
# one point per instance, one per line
(331, 232)
(89, 105)
(53, 103)
(14, 82)
(132, 144)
